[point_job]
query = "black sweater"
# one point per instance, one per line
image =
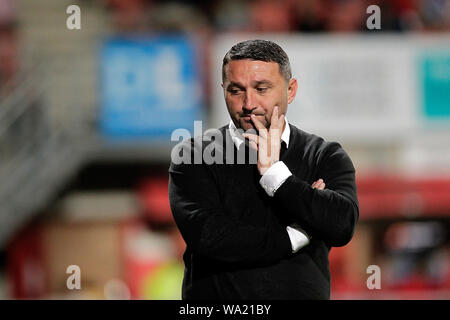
(237, 243)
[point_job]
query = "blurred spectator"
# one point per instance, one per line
(277, 15)
(8, 57)
(439, 267)
(8, 43)
(8, 13)
(309, 15)
(129, 15)
(271, 15)
(231, 15)
(407, 15)
(435, 14)
(176, 16)
(418, 255)
(346, 16)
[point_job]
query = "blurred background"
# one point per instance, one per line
(86, 118)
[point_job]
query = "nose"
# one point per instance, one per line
(249, 103)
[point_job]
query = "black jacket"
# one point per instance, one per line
(237, 243)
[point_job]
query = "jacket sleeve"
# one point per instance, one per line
(208, 230)
(330, 214)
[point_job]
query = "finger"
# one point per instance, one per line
(281, 121)
(317, 183)
(263, 148)
(251, 137)
(257, 143)
(275, 139)
(274, 118)
(258, 124)
(320, 182)
(275, 146)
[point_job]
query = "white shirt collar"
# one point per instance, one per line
(238, 139)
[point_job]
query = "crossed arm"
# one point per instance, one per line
(329, 214)
(211, 232)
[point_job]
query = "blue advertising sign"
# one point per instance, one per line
(149, 87)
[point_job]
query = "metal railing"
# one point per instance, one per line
(37, 157)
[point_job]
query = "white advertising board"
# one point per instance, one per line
(352, 88)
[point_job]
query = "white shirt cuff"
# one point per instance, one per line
(274, 177)
(298, 238)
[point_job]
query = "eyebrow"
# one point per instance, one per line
(266, 82)
(256, 83)
(235, 84)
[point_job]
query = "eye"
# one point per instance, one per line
(234, 91)
(261, 89)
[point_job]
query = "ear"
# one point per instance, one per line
(292, 89)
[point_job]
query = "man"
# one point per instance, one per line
(262, 230)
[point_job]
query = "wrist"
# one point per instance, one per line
(263, 170)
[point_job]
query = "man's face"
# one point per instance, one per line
(256, 87)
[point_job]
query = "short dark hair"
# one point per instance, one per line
(262, 50)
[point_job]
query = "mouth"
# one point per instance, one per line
(247, 117)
